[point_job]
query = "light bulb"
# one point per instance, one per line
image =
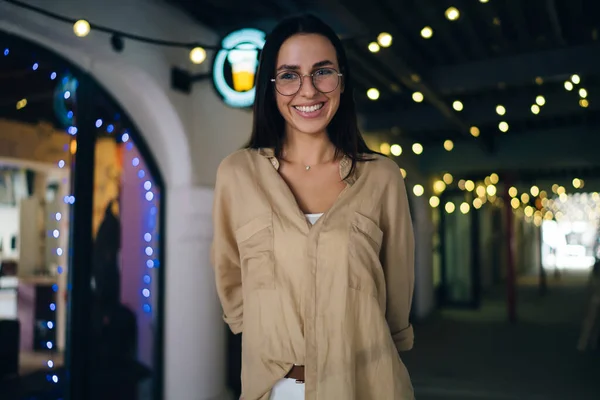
(198, 55)
(81, 28)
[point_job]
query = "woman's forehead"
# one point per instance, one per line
(306, 51)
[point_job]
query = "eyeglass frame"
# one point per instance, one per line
(312, 77)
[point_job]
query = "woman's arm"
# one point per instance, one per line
(224, 253)
(397, 258)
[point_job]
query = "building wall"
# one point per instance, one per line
(188, 135)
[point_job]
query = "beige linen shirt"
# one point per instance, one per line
(334, 296)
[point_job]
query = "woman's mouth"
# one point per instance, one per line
(309, 111)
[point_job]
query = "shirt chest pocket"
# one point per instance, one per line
(365, 273)
(255, 245)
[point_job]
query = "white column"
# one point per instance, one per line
(194, 331)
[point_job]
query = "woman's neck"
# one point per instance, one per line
(308, 149)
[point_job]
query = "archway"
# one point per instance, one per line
(110, 203)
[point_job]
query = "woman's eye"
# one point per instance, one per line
(286, 77)
(323, 72)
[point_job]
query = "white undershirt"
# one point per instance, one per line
(313, 218)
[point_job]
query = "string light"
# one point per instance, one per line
(384, 39)
(373, 94)
(150, 229)
(427, 32)
(373, 47)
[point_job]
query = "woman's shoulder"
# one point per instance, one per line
(381, 166)
(237, 161)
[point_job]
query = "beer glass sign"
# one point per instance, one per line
(235, 67)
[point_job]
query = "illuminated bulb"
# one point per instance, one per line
(385, 148)
(515, 203)
(461, 184)
(448, 145)
(198, 55)
(417, 97)
(503, 126)
(535, 109)
(500, 110)
(434, 201)
(403, 172)
(561, 190)
(481, 191)
(582, 93)
(534, 191)
(525, 198)
(576, 183)
(563, 197)
(396, 150)
(491, 190)
(477, 203)
(21, 104)
(439, 187)
(457, 105)
(417, 148)
(373, 94)
(81, 28)
(575, 79)
(474, 131)
(529, 211)
(450, 207)
(584, 103)
(540, 100)
(427, 32)
(568, 86)
(483, 1)
(470, 185)
(464, 208)
(384, 39)
(452, 14)
(513, 192)
(418, 190)
(447, 178)
(373, 47)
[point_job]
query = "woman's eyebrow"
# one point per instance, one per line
(297, 67)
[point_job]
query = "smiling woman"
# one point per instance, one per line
(313, 243)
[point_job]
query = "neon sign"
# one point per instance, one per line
(235, 66)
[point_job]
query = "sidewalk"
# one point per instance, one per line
(467, 354)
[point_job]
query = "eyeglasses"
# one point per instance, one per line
(325, 80)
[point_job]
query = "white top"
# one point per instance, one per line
(313, 218)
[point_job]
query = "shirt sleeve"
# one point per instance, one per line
(397, 257)
(225, 256)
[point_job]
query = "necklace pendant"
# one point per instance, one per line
(307, 167)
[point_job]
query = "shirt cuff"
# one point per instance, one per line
(404, 339)
(235, 324)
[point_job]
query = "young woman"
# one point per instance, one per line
(313, 243)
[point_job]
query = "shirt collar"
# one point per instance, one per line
(345, 164)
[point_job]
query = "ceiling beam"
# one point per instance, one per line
(516, 8)
(482, 111)
(407, 75)
(560, 148)
(555, 22)
(515, 70)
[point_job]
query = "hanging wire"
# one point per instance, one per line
(105, 29)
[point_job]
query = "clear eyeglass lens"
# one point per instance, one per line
(325, 80)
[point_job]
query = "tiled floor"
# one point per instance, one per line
(464, 354)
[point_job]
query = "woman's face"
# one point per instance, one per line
(309, 111)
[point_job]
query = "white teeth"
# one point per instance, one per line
(309, 108)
